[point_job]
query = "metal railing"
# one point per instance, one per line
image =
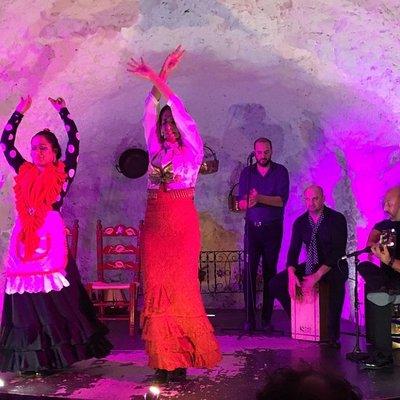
(222, 272)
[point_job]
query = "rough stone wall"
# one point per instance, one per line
(320, 78)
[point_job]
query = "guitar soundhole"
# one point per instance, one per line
(388, 238)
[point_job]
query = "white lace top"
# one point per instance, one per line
(177, 166)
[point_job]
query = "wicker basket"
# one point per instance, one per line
(210, 163)
(233, 200)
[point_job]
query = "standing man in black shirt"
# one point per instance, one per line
(263, 193)
(383, 283)
(324, 233)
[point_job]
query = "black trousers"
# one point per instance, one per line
(336, 280)
(379, 317)
(262, 241)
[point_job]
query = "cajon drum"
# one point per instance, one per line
(310, 315)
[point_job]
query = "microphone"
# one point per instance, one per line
(357, 253)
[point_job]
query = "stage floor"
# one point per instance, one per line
(246, 359)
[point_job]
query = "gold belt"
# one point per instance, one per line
(175, 194)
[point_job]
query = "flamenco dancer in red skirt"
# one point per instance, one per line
(176, 330)
(48, 319)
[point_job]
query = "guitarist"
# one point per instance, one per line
(383, 283)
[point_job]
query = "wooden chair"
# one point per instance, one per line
(72, 233)
(118, 248)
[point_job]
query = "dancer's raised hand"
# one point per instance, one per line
(140, 68)
(58, 103)
(24, 104)
(172, 61)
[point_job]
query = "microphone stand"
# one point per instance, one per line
(247, 273)
(356, 355)
(249, 291)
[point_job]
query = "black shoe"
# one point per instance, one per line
(375, 364)
(249, 326)
(161, 376)
(37, 374)
(178, 375)
(46, 372)
(28, 374)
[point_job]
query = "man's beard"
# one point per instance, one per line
(264, 163)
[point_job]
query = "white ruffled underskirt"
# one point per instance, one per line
(36, 283)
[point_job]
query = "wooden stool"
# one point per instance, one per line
(310, 315)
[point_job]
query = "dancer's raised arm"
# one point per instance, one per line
(13, 156)
(187, 126)
(170, 63)
(152, 101)
(72, 149)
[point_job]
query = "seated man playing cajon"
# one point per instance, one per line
(324, 233)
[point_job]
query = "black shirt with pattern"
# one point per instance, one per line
(331, 239)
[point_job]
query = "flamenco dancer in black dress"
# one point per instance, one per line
(48, 320)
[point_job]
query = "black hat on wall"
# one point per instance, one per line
(133, 163)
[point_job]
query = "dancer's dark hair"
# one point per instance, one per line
(52, 139)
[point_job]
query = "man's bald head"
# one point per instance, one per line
(314, 198)
(391, 203)
(314, 189)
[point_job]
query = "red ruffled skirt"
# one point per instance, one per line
(176, 330)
